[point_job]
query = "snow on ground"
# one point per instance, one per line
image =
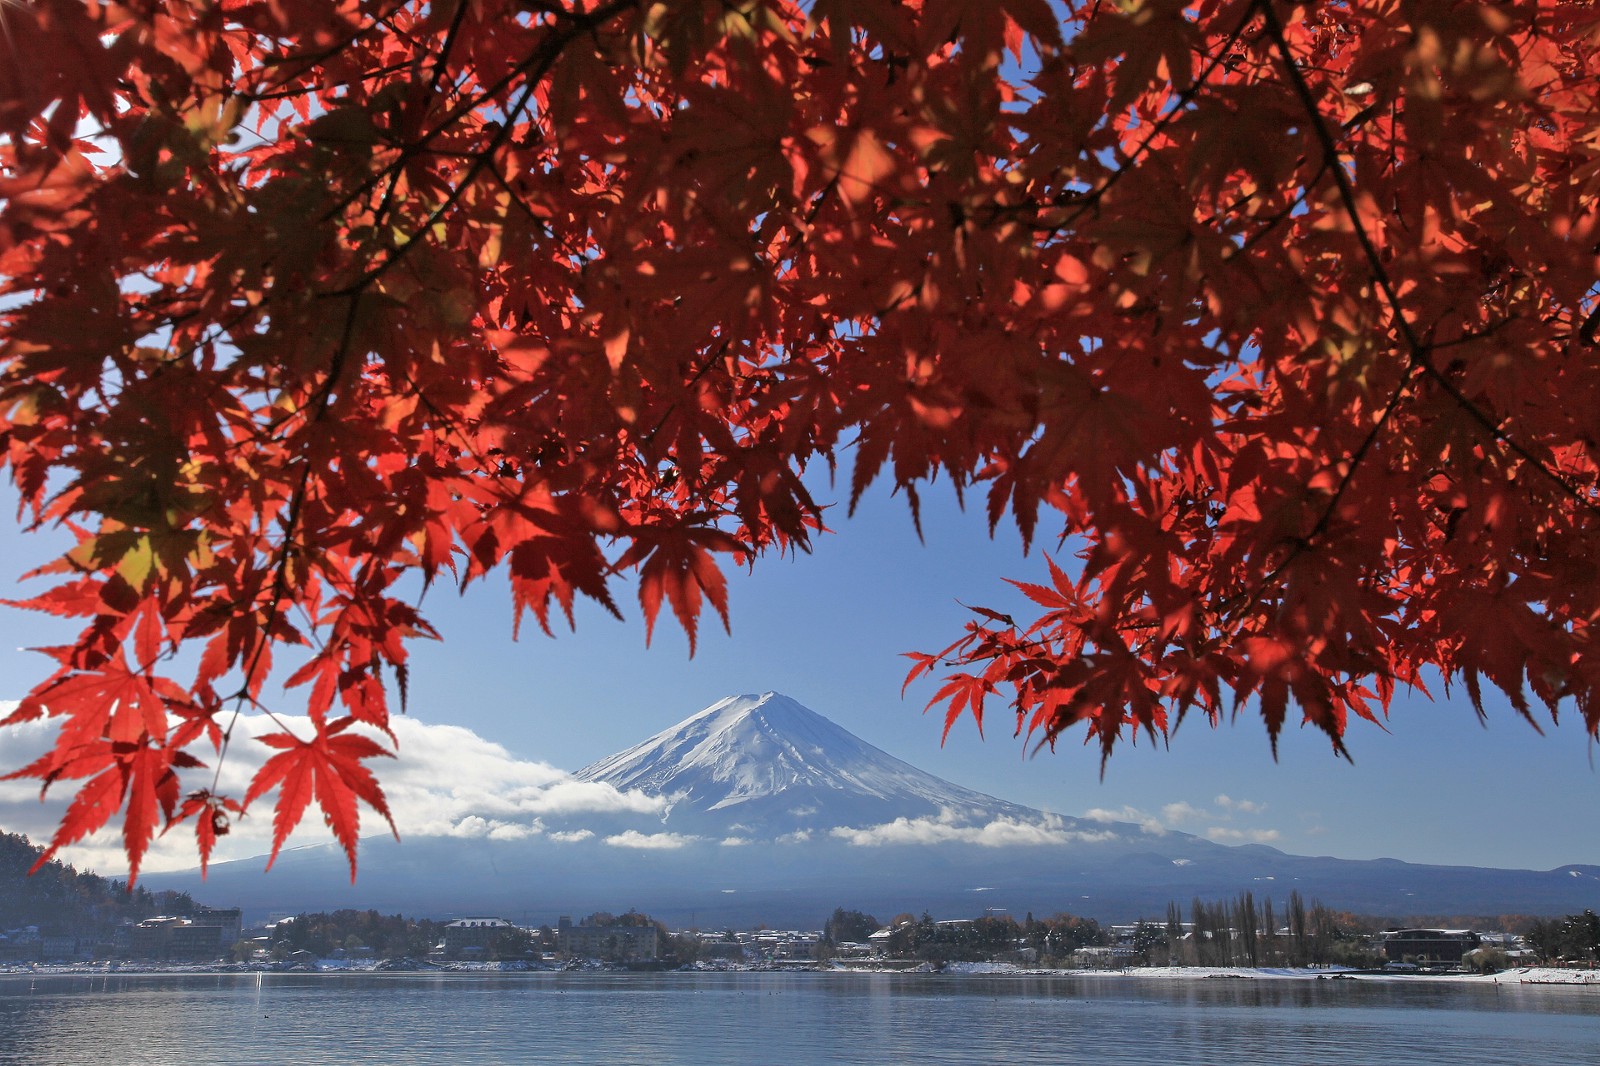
(1536, 976)
(1547, 976)
(1530, 976)
(1236, 972)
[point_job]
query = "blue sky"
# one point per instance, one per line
(828, 629)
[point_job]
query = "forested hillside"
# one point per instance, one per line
(64, 899)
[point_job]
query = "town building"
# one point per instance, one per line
(614, 943)
(170, 937)
(780, 945)
(850, 949)
(1516, 948)
(208, 933)
(474, 936)
(227, 921)
(722, 945)
(1428, 945)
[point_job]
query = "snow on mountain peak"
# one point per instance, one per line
(767, 763)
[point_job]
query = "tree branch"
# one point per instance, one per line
(1417, 352)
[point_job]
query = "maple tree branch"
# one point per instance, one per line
(289, 94)
(1330, 152)
(1591, 326)
(1353, 462)
(1088, 200)
(1417, 351)
(1277, 218)
(311, 59)
(290, 524)
(408, 151)
(1471, 336)
(1419, 362)
(534, 68)
(447, 47)
(581, 23)
(517, 198)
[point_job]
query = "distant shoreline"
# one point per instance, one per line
(1522, 977)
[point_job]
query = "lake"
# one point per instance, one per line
(783, 1018)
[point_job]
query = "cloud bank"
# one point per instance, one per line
(1223, 809)
(947, 828)
(1144, 821)
(1225, 835)
(446, 781)
(632, 838)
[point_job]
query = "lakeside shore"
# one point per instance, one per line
(1525, 976)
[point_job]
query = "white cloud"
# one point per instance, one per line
(632, 838)
(947, 829)
(446, 781)
(513, 832)
(735, 842)
(572, 836)
(799, 836)
(473, 827)
(1224, 835)
(1147, 822)
(1180, 812)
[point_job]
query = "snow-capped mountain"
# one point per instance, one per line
(766, 765)
(775, 814)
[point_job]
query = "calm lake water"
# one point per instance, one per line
(790, 1019)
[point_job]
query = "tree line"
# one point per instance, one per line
(62, 899)
(1243, 931)
(1050, 939)
(1574, 937)
(322, 933)
(397, 936)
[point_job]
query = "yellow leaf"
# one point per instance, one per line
(137, 562)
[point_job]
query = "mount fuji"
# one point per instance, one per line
(758, 809)
(767, 766)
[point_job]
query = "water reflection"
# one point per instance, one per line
(713, 1019)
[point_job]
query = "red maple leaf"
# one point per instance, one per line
(328, 768)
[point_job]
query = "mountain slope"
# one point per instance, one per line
(767, 765)
(778, 815)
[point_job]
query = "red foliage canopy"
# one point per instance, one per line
(1281, 315)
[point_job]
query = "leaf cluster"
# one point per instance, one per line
(1279, 318)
